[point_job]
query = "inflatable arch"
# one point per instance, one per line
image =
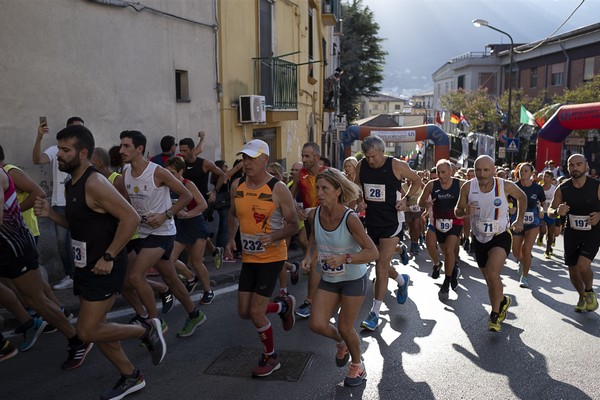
(559, 126)
(401, 134)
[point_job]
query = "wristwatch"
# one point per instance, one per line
(348, 259)
(169, 214)
(108, 257)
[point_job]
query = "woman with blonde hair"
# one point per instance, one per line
(350, 164)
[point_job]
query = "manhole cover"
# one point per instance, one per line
(239, 361)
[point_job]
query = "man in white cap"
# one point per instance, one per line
(264, 210)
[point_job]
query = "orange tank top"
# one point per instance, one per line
(258, 214)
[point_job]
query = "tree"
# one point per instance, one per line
(362, 57)
(587, 92)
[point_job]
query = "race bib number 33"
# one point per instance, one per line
(79, 253)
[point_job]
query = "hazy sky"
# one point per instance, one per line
(421, 35)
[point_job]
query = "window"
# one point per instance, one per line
(182, 88)
(265, 42)
(460, 84)
(588, 69)
(397, 107)
(311, 50)
(557, 75)
(533, 78)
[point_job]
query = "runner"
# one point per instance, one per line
(264, 210)
(547, 223)
(577, 199)
(522, 242)
(485, 200)
(379, 176)
(101, 222)
(343, 250)
(444, 193)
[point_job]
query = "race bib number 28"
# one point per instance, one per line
(374, 192)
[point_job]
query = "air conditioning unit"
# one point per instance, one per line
(252, 109)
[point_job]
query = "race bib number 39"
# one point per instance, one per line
(374, 192)
(579, 222)
(251, 244)
(79, 253)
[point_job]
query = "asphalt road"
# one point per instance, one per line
(424, 349)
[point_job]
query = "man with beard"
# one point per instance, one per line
(577, 199)
(101, 222)
(485, 200)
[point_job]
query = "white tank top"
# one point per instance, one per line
(146, 199)
(491, 218)
(549, 195)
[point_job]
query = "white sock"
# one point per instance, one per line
(284, 289)
(376, 306)
(400, 279)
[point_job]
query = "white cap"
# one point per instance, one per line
(254, 148)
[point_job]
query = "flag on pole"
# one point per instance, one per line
(443, 116)
(463, 120)
(438, 118)
(454, 118)
(527, 117)
(500, 112)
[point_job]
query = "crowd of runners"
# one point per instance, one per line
(125, 217)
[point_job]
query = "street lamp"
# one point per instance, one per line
(482, 22)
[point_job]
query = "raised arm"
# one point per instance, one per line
(37, 156)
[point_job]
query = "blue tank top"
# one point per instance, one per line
(337, 241)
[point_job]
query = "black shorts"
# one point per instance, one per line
(386, 232)
(12, 267)
(260, 278)
(153, 241)
(410, 216)
(525, 229)
(456, 230)
(356, 287)
(503, 240)
(580, 244)
(190, 230)
(94, 287)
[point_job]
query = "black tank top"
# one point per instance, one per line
(444, 200)
(92, 229)
(582, 201)
(379, 189)
(195, 173)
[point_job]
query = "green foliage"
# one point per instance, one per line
(362, 57)
(359, 155)
(587, 92)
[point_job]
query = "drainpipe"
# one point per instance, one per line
(568, 69)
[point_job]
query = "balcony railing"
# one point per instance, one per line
(331, 11)
(277, 80)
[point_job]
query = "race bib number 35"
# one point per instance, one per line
(374, 192)
(528, 218)
(251, 244)
(79, 253)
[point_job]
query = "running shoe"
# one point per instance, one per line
(494, 326)
(51, 328)
(436, 270)
(77, 355)
(342, 355)
(218, 257)
(547, 255)
(191, 324)
(266, 365)
(504, 308)
(414, 248)
(228, 259)
(402, 294)
(65, 283)
(137, 320)
(287, 313)
(207, 297)
(167, 301)
(124, 386)
(191, 285)
(444, 292)
(581, 304)
(467, 245)
(371, 323)
(540, 242)
(356, 375)
(591, 302)
(295, 275)
(154, 340)
(303, 310)
(455, 275)
(7, 350)
(404, 255)
(31, 334)
(524, 282)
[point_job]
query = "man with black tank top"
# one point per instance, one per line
(101, 222)
(379, 176)
(577, 199)
(197, 170)
(444, 193)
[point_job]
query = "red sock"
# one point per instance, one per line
(273, 307)
(266, 337)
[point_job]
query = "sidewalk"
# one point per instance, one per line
(227, 275)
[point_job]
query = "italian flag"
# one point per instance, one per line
(527, 117)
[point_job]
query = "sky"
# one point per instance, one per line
(421, 35)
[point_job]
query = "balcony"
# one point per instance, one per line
(277, 80)
(331, 12)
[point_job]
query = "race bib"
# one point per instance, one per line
(251, 244)
(443, 225)
(79, 253)
(330, 271)
(547, 204)
(579, 222)
(528, 218)
(487, 227)
(415, 208)
(374, 192)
